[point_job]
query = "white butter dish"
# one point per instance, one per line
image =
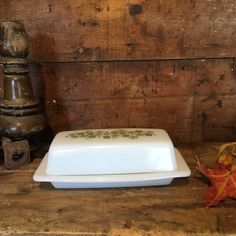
(111, 181)
(111, 151)
(111, 158)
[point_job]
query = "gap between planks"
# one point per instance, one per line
(132, 60)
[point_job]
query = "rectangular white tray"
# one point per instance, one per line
(110, 180)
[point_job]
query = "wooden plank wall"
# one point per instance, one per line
(134, 63)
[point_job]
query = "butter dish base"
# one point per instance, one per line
(112, 180)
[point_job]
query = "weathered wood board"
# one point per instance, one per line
(175, 114)
(100, 64)
(192, 100)
(89, 30)
(135, 80)
(28, 208)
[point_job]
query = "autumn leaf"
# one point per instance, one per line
(230, 147)
(222, 176)
(226, 155)
(223, 184)
(226, 160)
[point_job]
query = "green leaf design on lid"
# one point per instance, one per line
(131, 134)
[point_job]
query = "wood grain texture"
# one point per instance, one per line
(101, 64)
(132, 80)
(162, 113)
(28, 208)
(214, 118)
(185, 118)
(192, 100)
(125, 30)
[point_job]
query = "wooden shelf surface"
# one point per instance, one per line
(30, 208)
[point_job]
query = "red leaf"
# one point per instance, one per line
(223, 184)
(223, 180)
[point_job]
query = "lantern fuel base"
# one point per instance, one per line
(20, 116)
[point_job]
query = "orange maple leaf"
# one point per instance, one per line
(222, 176)
(223, 184)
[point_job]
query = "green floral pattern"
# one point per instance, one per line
(131, 134)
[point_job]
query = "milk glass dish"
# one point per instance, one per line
(111, 158)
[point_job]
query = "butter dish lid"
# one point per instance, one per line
(110, 137)
(111, 151)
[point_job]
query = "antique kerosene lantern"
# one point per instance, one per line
(20, 116)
